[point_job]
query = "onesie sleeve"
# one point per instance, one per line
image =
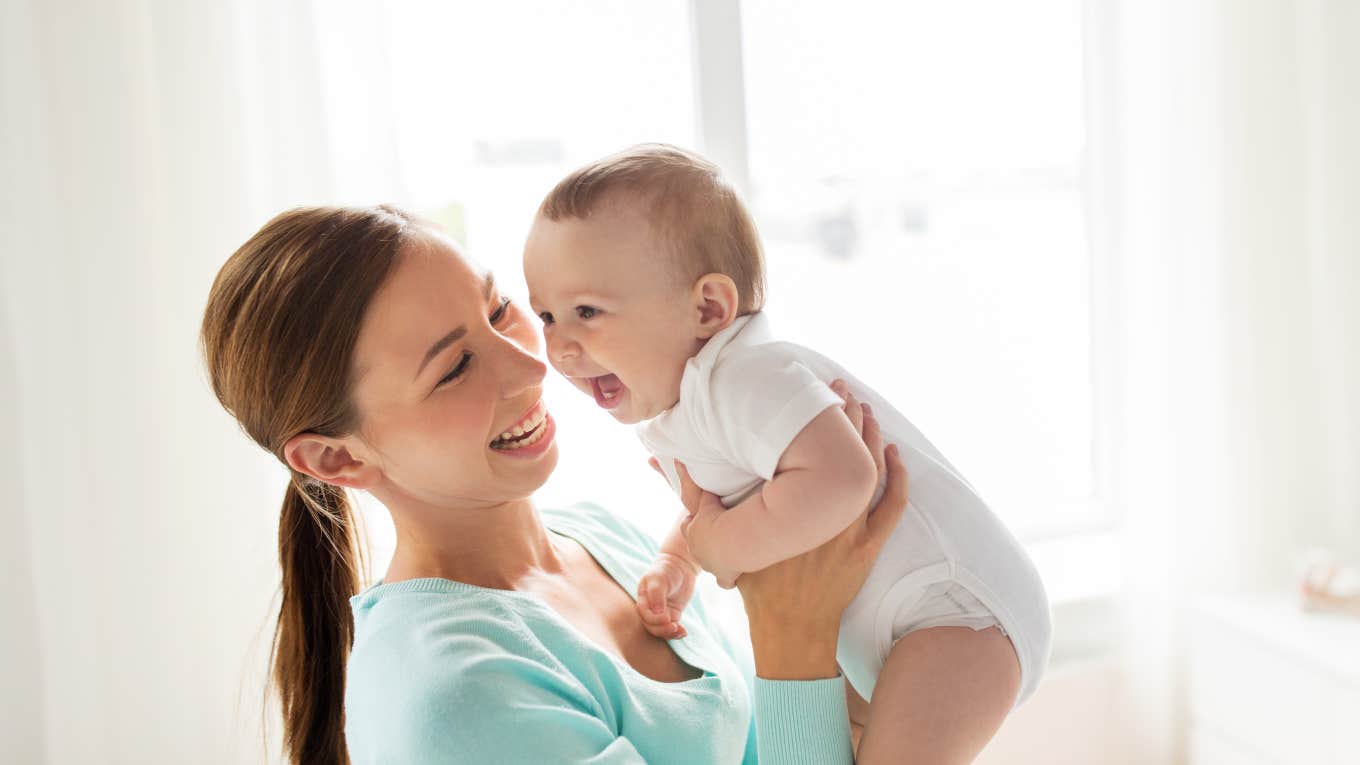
(763, 397)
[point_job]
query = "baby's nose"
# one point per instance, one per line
(562, 350)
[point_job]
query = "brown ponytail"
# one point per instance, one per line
(278, 337)
(322, 557)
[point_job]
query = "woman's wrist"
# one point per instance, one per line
(790, 651)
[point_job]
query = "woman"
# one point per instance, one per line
(362, 349)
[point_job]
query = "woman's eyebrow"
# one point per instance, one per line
(488, 284)
(438, 346)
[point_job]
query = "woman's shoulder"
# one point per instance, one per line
(432, 659)
(605, 529)
(429, 627)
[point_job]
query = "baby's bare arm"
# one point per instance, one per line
(822, 480)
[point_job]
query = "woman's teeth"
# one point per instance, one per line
(507, 446)
(527, 433)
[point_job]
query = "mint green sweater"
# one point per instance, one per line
(446, 672)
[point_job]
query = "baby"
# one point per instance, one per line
(648, 275)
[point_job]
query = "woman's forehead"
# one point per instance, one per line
(432, 290)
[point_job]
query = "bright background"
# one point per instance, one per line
(1104, 252)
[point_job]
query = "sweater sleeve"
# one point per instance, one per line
(804, 722)
(508, 710)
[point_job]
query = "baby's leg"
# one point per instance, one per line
(942, 695)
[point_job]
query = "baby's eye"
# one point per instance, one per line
(546, 317)
(585, 311)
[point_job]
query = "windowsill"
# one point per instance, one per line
(1079, 567)
(1082, 572)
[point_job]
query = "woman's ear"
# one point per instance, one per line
(716, 300)
(329, 460)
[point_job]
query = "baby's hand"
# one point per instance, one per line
(663, 593)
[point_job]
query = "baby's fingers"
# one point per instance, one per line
(665, 625)
(652, 595)
(666, 630)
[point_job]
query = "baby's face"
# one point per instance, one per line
(615, 321)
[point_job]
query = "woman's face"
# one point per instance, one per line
(446, 368)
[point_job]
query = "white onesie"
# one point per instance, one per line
(950, 561)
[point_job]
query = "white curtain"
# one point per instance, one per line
(1232, 177)
(143, 141)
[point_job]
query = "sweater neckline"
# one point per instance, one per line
(682, 647)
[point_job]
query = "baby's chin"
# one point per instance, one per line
(627, 418)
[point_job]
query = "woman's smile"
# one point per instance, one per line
(530, 436)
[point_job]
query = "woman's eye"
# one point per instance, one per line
(585, 311)
(458, 370)
(500, 311)
(546, 317)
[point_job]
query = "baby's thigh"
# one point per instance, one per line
(943, 693)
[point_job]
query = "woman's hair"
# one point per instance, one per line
(278, 337)
(687, 202)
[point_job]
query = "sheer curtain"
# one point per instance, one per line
(1232, 175)
(143, 142)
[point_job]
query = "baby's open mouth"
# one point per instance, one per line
(607, 389)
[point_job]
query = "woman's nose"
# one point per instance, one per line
(520, 368)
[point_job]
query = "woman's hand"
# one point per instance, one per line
(794, 607)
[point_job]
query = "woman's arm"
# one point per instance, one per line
(501, 709)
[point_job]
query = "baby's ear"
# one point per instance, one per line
(716, 301)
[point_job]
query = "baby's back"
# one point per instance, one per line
(947, 534)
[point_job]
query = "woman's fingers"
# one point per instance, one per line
(883, 517)
(852, 407)
(873, 438)
(689, 490)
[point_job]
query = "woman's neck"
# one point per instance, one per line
(495, 546)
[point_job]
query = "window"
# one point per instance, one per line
(916, 169)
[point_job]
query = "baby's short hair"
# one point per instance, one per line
(687, 202)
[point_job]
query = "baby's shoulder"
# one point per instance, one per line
(773, 368)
